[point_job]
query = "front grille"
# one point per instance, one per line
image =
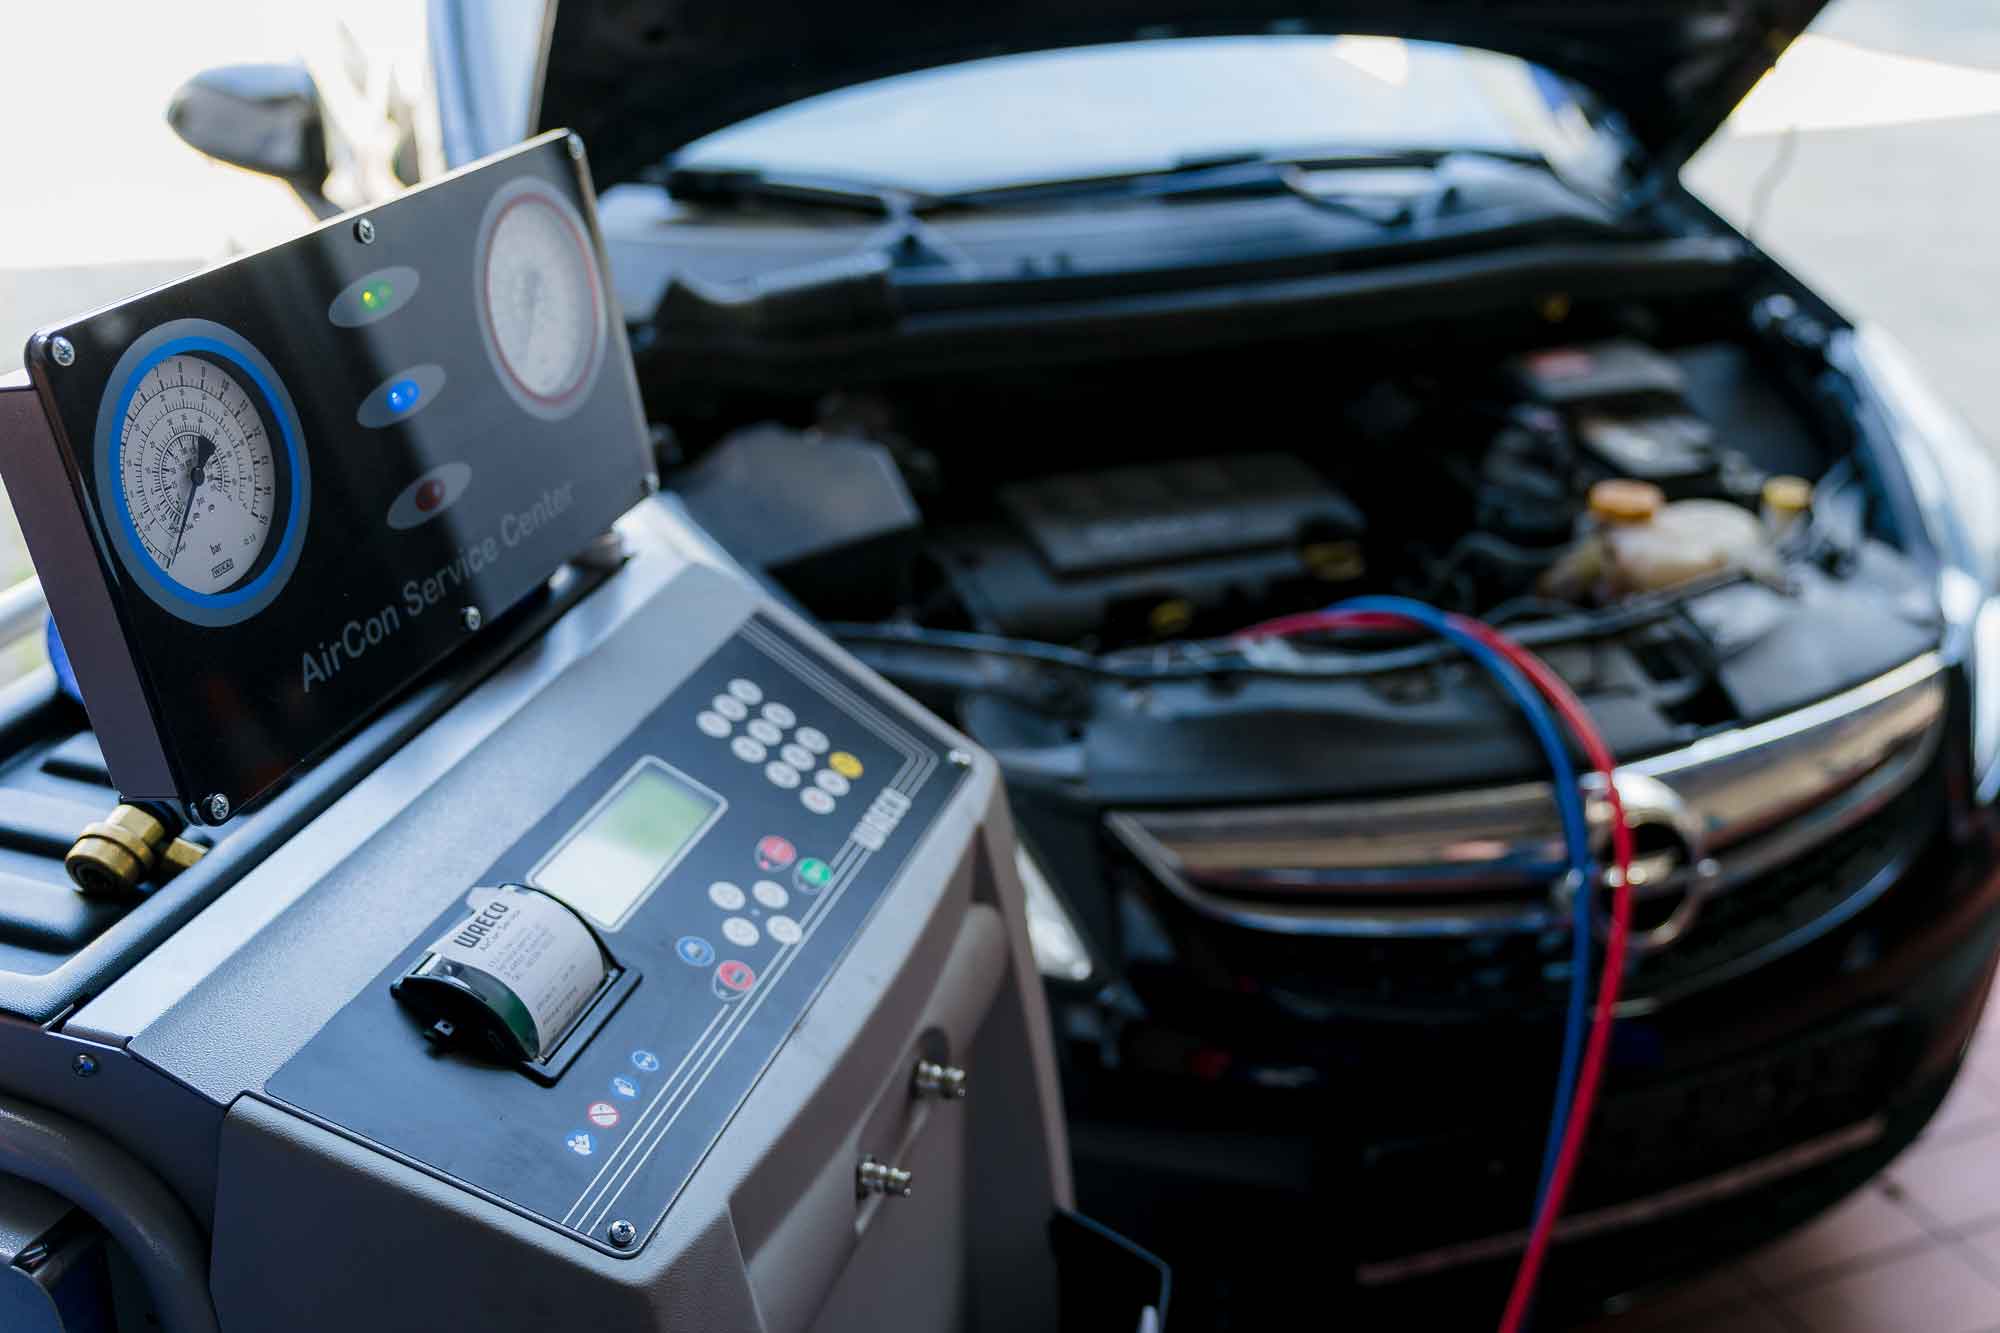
(1525, 977)
(1814, 890)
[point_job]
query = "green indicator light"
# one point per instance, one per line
(377, 296)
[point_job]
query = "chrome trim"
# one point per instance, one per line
(1738, 804)
(1636, 1212)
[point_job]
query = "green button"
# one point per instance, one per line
(814, 874)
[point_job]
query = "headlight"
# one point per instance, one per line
(1060, 952)
(1956, 483)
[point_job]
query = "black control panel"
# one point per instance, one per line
(276, 491)
(727, 854)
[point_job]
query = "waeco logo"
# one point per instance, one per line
(429, 495)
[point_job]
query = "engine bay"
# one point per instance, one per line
(1053, 558)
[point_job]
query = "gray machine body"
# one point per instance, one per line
(313, 1227)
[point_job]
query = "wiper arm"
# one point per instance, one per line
(1247, 174)
(903, 236)
(736, 186)
(1241, 175)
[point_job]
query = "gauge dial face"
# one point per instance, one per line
(201, 472)
(540, 301)
(196, 473)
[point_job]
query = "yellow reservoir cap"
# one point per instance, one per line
(1788, 495)
(1622, 500)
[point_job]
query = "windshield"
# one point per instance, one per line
(1146, 105)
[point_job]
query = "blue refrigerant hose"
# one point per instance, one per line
(59, 661)
(1576, 837)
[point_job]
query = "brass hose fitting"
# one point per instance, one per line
(126, 849)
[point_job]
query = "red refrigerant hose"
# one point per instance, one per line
(1575, 717)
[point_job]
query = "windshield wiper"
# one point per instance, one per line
(737, 186)
(1252, 174)
(1231, 175)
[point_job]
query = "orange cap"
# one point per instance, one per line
(1625, 501)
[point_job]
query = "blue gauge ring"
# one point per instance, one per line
(210, 339)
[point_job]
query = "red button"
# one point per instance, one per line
(735, 975)
(774, 853)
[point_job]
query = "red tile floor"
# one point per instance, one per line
(1917, 1250)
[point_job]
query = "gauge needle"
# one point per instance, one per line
(203, 451)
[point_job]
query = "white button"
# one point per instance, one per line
(784, 930)
(816, 801)
(831, 782)
(765, 732)
(747, 750)
(746, 690)
(798, 756)
(730, 707)
(780, 715)
(893, 802)
(739, 932)
(782, 775)
(726, 896)
(868, 836)
(813, 739)
(770, 893)
(714, 724)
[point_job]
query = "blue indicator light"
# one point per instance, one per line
(403, 395)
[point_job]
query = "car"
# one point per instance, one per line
(1036, 351)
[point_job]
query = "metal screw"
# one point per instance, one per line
(576, 147)
(873, 1177)
(62, 350)
(962, 758)
(84, 1066)
(606, 551)
(364, 231)
(622, 1233)
(217, 807)
(471, 619)
(932, 1079)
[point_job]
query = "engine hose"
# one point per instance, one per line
(125, 1198)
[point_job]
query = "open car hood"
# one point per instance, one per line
(642, 78)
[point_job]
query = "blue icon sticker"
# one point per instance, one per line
(645, 1061)
(695, 951)
(579, 1143)
(624, 1087)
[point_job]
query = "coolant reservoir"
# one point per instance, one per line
(1640, 543)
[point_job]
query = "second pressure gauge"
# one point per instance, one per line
(202, 477)
(542, 310)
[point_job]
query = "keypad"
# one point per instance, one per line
(805, 759)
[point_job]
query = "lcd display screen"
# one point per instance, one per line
(622, 849)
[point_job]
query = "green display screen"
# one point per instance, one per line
(623, 847)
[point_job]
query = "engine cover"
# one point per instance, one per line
(1142, 551)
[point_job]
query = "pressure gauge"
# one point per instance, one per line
(201, 475)
(542, 310)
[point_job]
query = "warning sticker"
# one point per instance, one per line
(545, 960)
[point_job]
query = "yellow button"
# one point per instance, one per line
(845, 764)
